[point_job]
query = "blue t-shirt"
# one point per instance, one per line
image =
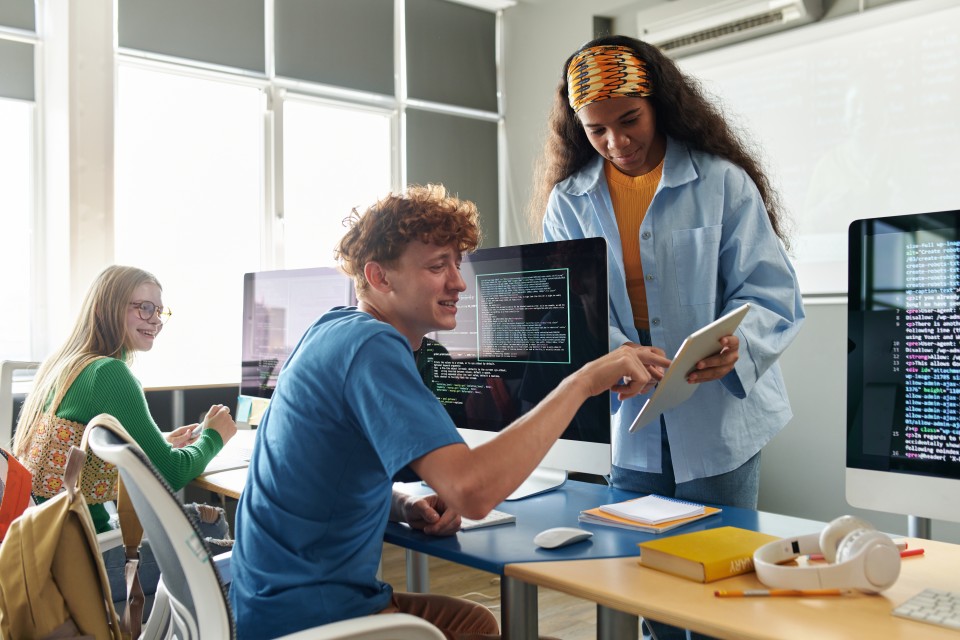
(349, 411)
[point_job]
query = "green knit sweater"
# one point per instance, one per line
(108, 386)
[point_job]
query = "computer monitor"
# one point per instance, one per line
(278, 308)
(903, 365)
(531, 315)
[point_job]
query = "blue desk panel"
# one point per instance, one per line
(491, 548)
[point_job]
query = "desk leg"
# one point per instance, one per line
(616, 625)
(418, 572)
(518, 609)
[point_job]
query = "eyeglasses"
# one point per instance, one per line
(147, 309)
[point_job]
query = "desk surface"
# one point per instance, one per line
(492, 548)
(226, 483)
(229, 483)
(624, 585)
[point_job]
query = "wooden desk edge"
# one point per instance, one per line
(221, 483)
(691, 605)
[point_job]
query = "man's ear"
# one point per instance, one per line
(376, 276)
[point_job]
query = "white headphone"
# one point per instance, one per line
(859, 557)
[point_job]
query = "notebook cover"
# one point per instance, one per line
(707, 555)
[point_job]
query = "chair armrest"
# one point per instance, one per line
(388, 626)
(222, 562)
(109, 540)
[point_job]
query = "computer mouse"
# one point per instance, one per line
(560, 537)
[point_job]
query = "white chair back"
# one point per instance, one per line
(197, 604)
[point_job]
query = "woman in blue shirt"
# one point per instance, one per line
(638, 155)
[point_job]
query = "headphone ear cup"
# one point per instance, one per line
(881, 557)
(834, 533)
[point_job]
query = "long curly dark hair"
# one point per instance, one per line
(683, 113)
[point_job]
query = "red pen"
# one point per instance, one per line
(906, 553)
(902, 545)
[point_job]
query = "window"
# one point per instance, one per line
(246, 131)
(335, 159)
(16, 216)
(188, 209)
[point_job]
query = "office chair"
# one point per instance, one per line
(7, 419)
(191, 602)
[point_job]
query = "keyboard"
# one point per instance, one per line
(933, 606)
(493, 518)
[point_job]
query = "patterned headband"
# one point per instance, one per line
(606, 71)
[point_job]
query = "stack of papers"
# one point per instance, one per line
(653, 509)
(652, 514)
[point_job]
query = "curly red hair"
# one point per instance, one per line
(427, 213)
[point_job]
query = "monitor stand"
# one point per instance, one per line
(542, 479)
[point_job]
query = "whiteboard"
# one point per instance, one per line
(856, 117)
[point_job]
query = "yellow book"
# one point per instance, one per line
(705, 556)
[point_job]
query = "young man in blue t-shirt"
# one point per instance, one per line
(350, 410)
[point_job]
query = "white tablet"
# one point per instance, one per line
(700, 344)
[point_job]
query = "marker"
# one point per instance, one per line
(779, 593)
(911, 552)
(197, 430)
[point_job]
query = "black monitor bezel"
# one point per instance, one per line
(860, 250)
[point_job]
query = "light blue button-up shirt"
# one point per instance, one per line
(706, 246)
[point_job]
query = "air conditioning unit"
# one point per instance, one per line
(682, 27)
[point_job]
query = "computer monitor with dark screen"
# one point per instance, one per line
(903, 365)
(278, 308)
(531, 315)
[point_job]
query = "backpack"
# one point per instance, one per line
(15, 496)
(52, 578)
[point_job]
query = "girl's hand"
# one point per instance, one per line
(182, 436)
(715, 367)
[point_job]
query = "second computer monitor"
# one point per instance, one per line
(903, 365)
(531, 315)
(278, 307)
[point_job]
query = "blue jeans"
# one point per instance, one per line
(149, 572)
(737, 488)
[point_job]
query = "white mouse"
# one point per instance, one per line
(560, 537)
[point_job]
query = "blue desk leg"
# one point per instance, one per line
(418, 572)
(518, 609)
(616, 625)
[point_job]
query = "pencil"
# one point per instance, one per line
(777, 593)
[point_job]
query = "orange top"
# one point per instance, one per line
(631, 196)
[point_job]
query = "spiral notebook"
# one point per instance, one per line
(653, 509)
